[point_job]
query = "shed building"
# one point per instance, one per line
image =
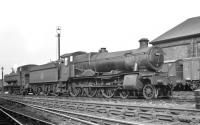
(182, 41)
(181, 46)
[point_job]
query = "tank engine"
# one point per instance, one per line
(18, 81)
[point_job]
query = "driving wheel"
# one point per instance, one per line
(74, 90)
(108, 92)
(149, 91)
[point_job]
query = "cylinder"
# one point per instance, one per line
(197, 98)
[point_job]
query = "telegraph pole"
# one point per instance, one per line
(2, 79)
(58, 30)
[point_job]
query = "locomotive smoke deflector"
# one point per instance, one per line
(144, 42)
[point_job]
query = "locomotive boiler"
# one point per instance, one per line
(144, 58)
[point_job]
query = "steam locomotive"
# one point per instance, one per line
(103, 73)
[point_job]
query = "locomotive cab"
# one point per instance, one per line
(67, 65)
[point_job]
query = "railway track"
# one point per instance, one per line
(173, 102)
(180, 100)
(74, 118)
(96, 120)
(7, 119)
(153, 115)
(178, 96)
(10, 117)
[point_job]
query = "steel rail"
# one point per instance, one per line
(59, 114)
(71, 115)
(15, 120)
(52, 110)
(23, 115)
(156, 113)
(85, 122)
(117, 105)
(173, 99)
(181, 102)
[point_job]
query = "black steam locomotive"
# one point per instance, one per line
(103, 73)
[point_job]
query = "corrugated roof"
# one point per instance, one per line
(189, 27)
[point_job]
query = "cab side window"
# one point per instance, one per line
(66, 61)
(71, 58)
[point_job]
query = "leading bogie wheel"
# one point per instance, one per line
(194, 85)
(149, 91)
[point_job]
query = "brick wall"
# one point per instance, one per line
(180, 49)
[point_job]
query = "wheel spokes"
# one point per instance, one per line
(193, 86)
(90, 91)
(149, 91)
(74, 90)
(108, 92)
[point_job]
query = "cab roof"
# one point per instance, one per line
(72, 54)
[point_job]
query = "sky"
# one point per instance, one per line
(28, 27)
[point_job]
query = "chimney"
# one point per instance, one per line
(103, 50)
(144, 42)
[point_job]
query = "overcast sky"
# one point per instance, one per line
(28, 27)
